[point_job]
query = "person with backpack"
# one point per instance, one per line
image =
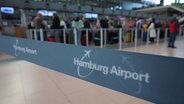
(78, 25)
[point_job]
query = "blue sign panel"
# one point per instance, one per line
(154, 78)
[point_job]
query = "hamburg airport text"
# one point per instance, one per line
(114, 70)
(25, 50)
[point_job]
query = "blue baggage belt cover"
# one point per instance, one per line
(154, 78)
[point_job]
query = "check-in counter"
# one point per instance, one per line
(20, 31)
(9, 31)
(16, 31)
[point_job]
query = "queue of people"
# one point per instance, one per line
(148, 25)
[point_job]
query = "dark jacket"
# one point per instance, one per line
(56, 23)
(104, 23)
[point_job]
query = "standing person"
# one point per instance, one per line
(72, 30)
(145, 28)
(68, 22)
(104, 22)
(87, 25)
(45, 26)
(55, 21)
(63, 23)
(131, 23)
(111, 31)
(63, 26)
(97, 24)
(39, 23)
(118, 25)
(152, 31)
(55, 27)
(30, 24)
(78, 25)
(125, 26)
(173, 28)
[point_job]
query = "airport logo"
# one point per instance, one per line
(125, 74)
(19, 49)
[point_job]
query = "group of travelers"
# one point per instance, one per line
(149, 26)
(57, 25)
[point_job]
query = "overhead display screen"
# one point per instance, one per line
(91, 15)
(8, 10)
(46, 12)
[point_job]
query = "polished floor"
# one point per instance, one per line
(160, 49)
(22, 82)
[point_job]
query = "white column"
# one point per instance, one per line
(75, 36)
(120, 38)
(87, 37)
(41, 35)
(158, 35)
(135, 40)
(166, 34)
(23, 17)
(101, 38)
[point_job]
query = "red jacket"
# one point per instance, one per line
(173, 27)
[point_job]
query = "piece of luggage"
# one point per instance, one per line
(51, 39)
(83, 40)
(128, 37)
(115, 37)
(97, 39)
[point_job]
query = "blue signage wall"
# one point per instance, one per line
(154, 78)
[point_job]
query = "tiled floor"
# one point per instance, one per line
(161, 49)
(22, 82)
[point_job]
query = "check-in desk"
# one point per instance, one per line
(16, 31)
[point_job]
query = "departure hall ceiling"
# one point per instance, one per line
(92, 3)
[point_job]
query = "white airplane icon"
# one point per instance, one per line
(87, 53)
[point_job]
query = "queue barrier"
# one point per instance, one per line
(137, 36)
(157, 79)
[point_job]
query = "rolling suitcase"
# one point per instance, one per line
(83, 40)
(51, 39)
(97, 39)
(115, 37)
(128, 37)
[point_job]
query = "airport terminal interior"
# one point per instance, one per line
(120, 25)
